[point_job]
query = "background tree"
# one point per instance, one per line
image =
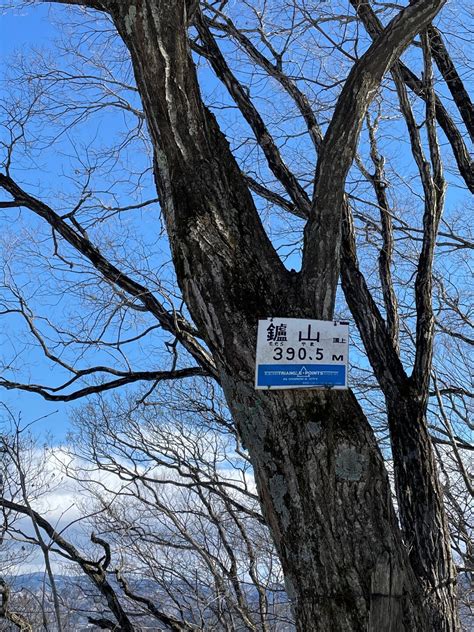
(319, 470)
(177, 538)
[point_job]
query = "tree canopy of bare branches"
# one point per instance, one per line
(229, 162)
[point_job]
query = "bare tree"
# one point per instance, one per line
(320, 475)
(179, 507)
(174, 515)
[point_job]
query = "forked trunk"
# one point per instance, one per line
(320, 475)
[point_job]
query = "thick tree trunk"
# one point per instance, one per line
(421, 511)
(327, 500)
(319, 472)
(419, 495)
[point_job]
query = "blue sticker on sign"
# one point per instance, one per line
(301, 375)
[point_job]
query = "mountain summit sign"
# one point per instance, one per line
(301, 353)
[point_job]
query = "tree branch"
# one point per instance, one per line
(173, 624)
(91, 569)
(241, 97)
(435, 189)
(102, 623)
(386, 250)
(275, 198)
(378, 341)
(99, 5)
(130, 378)
(274, 70)
(461, 154)
(452, 78)
(169, 321)
(16, 619)
(321, 265)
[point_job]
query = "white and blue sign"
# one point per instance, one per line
(301, 353)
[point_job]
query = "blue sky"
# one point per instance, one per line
(55, 174)
(25, 27)
(20, 30)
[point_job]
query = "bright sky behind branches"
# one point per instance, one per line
(19, 31)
